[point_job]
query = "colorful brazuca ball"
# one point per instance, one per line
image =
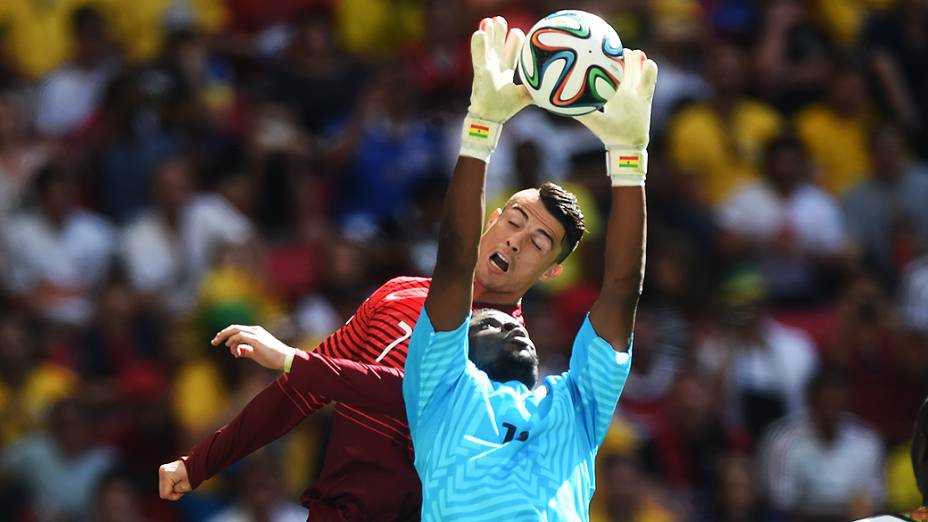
(571, 62)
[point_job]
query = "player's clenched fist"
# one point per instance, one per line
(172, 480)
(256, 343)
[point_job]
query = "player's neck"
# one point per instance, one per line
(482, 295)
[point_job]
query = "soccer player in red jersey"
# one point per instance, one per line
(368, 473)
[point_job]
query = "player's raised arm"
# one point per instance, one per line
(493, 100)
(623, 126)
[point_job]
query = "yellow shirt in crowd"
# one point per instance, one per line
(39, 34)
(837, 144)
(722, 153)
(21, 410)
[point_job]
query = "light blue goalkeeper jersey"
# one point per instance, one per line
(498, 451)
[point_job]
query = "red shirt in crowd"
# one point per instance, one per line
(368, 471)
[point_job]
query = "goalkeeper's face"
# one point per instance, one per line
(521, 245)
(501, 347)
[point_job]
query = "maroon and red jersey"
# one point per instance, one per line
(367, 473)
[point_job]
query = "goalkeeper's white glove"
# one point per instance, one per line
(493, 97)
(625, 121)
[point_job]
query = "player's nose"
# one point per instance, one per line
(513, 244)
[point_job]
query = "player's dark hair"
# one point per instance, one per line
(564, 207)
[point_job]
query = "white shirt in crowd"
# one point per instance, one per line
(77, 256)
(67, 96)
(61, 486)
(170, 264)
(802, 470)
(914, 292)
(283, 512)
(756, 210)
(781, 365)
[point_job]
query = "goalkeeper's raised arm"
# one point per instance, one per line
(623, 127)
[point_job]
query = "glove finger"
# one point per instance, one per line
(513, 46)
(478, 52)
(499, 37)
(488, 26)
(648, 79)
(632, 75)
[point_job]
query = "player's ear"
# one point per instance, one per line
(494, 216)
(552, 272)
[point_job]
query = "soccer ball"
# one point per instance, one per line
(571, 62)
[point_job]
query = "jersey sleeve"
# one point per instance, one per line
(270, 415)
(278, 408)
(374, 389)
(435, 362)
(597, 374)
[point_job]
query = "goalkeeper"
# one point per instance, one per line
(487, 449)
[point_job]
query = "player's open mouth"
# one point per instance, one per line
(500, 261)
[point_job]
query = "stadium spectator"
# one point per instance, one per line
(835, 131)
(440, 64)
(116, 499)
(737, 495)
(720, 141)
(62, 467)
(825, 464)
(870, 347)
(886, 214)
(759, 367)
(792, 55)
(657, 364)
(20, 155)
(896, 41)
(386, 148)
(629, 497)
(261, 496)
(122, 146)
(29, 384)
(676, 36)
(58, 253)
(313, 62)
(913, 290)
(789, 227)
(168, 250)
(70, 93)
(38, 36)
(685, 438)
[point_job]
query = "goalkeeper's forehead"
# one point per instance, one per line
(529, 202)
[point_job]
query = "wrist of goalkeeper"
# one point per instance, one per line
(626, 166)
(479, 137)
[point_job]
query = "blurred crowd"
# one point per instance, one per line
(169, 167)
